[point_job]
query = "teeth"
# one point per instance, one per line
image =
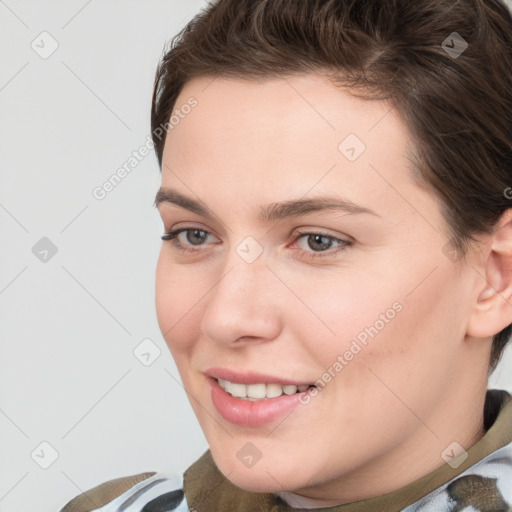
(289, 390)
(254, 392)
(234, 389)
(274, 390)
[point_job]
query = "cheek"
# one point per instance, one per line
(410, 356)
(178, 304)
(347, 311)
(389, 322)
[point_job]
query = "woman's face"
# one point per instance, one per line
(308, 256)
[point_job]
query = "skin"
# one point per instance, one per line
(384, 420)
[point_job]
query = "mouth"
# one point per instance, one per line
(261, 391)
(255, 400)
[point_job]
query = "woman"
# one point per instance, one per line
(335, 280)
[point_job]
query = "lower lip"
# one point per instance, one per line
(249, 413)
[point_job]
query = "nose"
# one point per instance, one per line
(242, 306)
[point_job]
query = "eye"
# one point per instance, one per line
(320, 243)
(194, 236)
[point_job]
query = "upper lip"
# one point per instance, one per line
(249, 377)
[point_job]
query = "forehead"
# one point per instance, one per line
(286, 135)
(302, 97)
(293, 115)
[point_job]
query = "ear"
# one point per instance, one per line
(492, 311)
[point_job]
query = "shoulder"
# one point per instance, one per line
(137, 493)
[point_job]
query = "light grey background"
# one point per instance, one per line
(70, 324)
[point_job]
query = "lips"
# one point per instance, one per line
(251, 399)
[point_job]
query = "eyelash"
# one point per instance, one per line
(173, 234)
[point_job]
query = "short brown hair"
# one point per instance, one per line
(456, 104)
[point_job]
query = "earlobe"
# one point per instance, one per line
(492, 311)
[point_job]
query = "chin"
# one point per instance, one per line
(266, 477)
(258, 482)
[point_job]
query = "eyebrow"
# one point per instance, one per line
(271, 212)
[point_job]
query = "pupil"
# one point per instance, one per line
(314, 239)
(196, 233)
